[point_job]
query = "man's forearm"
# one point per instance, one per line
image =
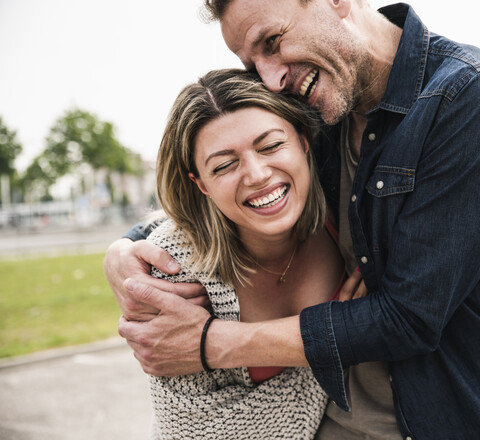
(273, 343)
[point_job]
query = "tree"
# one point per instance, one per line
(37, 179)
(79, 138)
(10, 148)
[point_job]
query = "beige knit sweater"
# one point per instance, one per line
(226, 404)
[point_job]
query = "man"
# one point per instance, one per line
(403, 105)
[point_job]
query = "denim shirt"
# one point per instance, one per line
(414, 218)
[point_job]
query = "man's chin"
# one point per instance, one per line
(333, 119)
(334, 114)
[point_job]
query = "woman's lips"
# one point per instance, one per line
(268, 200)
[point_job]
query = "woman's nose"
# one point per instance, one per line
(256, 172)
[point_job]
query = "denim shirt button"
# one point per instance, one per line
(408, 438)
(364, 260)
(354, 198)
(372, 137)
(380, 184)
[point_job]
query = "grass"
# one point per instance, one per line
(54, 302)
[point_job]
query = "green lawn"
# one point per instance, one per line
(54, 302)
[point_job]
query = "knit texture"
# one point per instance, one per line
(226, 404)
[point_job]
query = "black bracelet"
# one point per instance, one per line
(202, 344)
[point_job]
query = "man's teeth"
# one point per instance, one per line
(307, 82)
(270, 199)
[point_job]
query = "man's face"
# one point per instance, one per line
(300, 47)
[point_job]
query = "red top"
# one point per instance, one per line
(260, 374)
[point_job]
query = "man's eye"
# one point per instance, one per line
(271, 43)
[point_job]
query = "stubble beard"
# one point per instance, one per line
(334, 106)
(348, 95)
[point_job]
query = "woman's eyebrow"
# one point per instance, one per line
(260, 138)
(219, 153)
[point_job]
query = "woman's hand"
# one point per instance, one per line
(353, 288)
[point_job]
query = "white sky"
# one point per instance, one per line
(126, 60)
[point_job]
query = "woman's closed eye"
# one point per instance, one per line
(228, 165)
(271, 148)
(224, 167)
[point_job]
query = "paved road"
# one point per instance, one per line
(88, 392)
(24, 243)
(91, 392)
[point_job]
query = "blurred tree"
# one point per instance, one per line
(79, 138)
(37, 179)
(10, 148)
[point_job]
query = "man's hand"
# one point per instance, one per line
(168, 344)
(127, 259)
(353, 288)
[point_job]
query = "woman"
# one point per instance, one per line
(237, 181)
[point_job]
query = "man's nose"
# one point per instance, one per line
(273, 74)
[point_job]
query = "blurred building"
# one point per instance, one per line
(85, 199)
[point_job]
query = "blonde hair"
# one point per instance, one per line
(216, 245)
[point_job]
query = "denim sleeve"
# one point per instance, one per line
(318, 337)
(138, 232)
(432, 264)
(142, 230)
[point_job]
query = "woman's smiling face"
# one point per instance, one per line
(253, 164)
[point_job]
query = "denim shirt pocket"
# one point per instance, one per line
(388, 181)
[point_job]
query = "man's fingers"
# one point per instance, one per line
(141, 351)
(155, 256)
(185, 290)
(350, 286)
(143, 293)
(361, 291)
(137, 311)
(136, 334)
(147, 366)
(202, 301)
(148, 294)
(193, 292)
(128, 329)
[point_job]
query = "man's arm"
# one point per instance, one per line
(259, 344)
(431, 268)
(169, 344)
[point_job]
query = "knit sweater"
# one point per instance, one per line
(226, 404)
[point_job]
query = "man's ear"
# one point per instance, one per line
(199, 183)
(342, 7)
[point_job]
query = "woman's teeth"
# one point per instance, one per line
(270, 199)
(310, 83)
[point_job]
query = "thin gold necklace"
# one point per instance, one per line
(282, 275)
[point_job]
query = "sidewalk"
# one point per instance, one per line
(52, 242)
(95, 391)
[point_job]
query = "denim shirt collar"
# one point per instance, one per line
(405, 84)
